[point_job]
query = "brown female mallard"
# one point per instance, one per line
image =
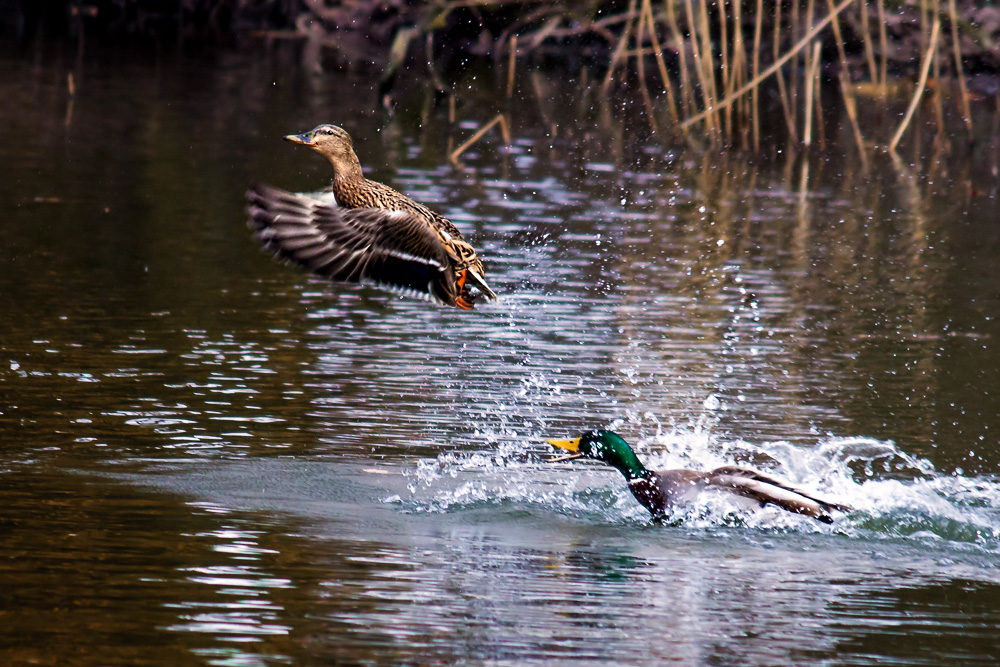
(369, 233)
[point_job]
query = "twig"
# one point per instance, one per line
(921, 85)
(505, 131)
(543, 33)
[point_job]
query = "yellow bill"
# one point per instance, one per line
(569, 445)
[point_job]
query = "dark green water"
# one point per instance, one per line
(208, 458)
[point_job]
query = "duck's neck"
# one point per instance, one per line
(621, 456)
(346, 172)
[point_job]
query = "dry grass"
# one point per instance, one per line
(700, 68)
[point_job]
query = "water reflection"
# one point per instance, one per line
(303, 472)
(529, 586)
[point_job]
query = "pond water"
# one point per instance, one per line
(210, 458)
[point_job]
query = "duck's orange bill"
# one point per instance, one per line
(568, 445)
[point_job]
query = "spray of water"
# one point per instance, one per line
(894, 495)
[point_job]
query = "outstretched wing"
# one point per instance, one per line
(781, 484)
(394, 249)
(769, 490)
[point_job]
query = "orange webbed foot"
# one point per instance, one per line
(465, 298)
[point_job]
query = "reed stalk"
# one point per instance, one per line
(70, 98)
(640, 61)
(779, 62)
(925, 69)
(687, 96)
(724, 56)
(793, 80)
(959, 70)
(807, 83)
(782, 90)
(818, 97)
(754, 69)
(619, 48)
(852, 114)
(658, 52)
(883, 41)
(738, 67)
(866, 34)
(941, 136)
(708, 61)
(803, 189)
(511, 65)
(845, 85)
(924, 22)
(812, 76)
(708, 114)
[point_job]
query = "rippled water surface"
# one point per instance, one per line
(209, 458)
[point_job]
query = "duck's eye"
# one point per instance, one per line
(327, 130)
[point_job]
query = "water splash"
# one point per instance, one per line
(894, 495)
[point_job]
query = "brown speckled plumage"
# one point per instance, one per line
(394, 249)
(353, 191)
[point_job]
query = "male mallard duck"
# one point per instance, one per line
(661, 491)
(410, 241)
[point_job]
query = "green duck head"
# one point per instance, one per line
(604, 446)
(334, 144)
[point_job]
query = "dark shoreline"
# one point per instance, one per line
(704, 74)
(366, 31)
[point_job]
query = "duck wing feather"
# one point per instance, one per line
(395, 249)
(771, 491)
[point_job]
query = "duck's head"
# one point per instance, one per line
(605, 446)
(331, 142)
